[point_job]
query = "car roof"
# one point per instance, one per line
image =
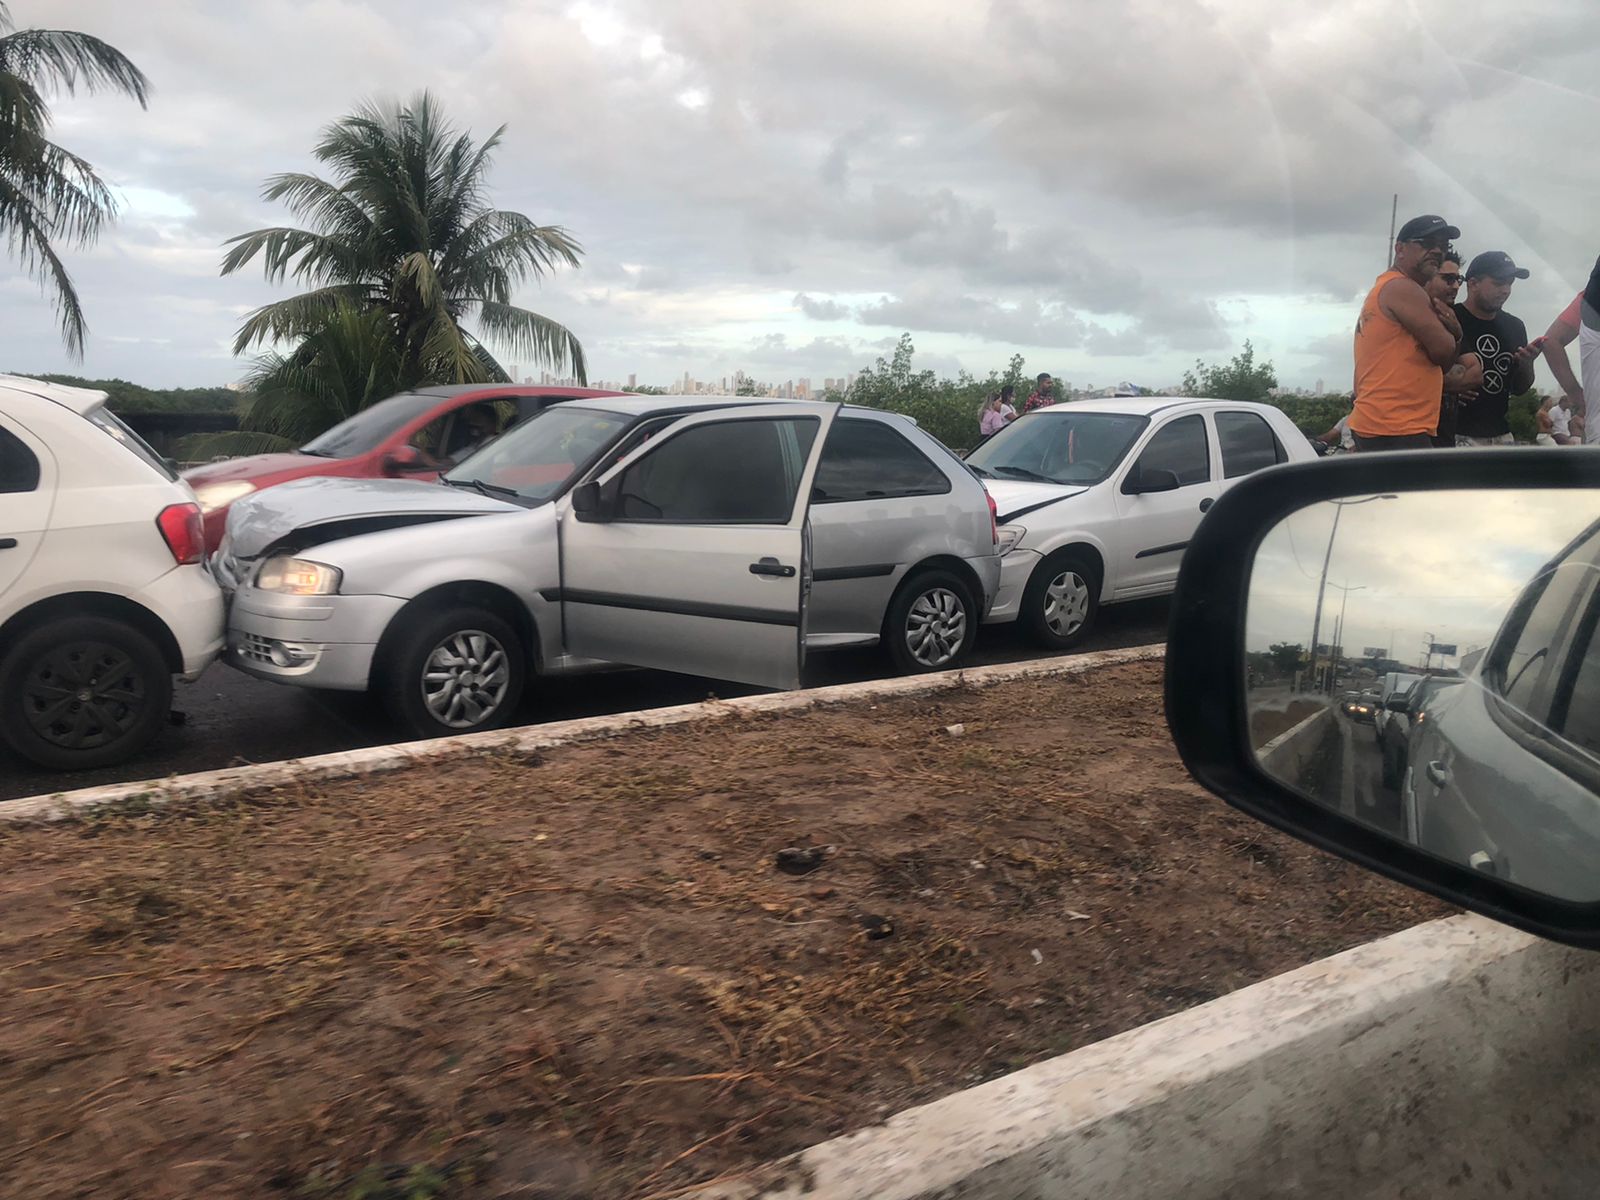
(490, 390)
(1148, 406)
(79, 400)
(634, 404)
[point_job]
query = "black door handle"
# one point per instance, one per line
(1205, 505)
(8, 543)
(771, 566)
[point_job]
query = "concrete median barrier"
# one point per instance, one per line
(1291, 753)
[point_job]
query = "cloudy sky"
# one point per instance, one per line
(1448, 564)
(785, 187)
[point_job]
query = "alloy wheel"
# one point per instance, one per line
(936, 627)
(465, 679)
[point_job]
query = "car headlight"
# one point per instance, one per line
(212, 496)
(1009, 536)
(298, 577)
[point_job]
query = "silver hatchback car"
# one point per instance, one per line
(707, 535)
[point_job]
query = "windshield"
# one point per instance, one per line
(107, 420)
(538, 458)
(371, 427)
(1059, 445)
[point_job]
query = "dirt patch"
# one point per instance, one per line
(1268, 723)
(583, 974)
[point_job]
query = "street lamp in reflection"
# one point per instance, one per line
(1322, 586)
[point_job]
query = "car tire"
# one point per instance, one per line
(83, 692)
(453, 671)
(1061, 601)
(931, 624)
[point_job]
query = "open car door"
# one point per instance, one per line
(692, 554)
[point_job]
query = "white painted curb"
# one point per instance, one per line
(1456, 1058)
(375, 759)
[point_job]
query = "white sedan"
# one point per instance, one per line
(1097, 500)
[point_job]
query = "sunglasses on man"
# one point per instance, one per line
(1450, 277)
(1434, 241)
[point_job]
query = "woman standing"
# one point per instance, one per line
(997, 411)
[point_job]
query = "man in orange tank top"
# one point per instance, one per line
(1404, 340)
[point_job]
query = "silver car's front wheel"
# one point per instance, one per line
(936, 627)
(445, 671)
(465, 679)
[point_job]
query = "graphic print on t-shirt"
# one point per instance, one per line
(1496, 364)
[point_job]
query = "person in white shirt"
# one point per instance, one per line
(1561, 422)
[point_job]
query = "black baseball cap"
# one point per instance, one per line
(1496, 263)
(1426, 226)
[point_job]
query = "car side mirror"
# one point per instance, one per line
(1143, 480)
(587, 501)
(404, 460)
(1478, 567)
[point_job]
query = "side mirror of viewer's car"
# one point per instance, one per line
(1478, 572)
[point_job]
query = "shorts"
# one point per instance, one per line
(1464, 442)
(1404, 441)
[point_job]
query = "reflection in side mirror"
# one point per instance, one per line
(586, 499)
(1471, 616)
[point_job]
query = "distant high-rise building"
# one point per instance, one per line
(633, 379)
(511, 371)
(1321, 391)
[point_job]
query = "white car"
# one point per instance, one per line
(1098, 499)
(103, 594)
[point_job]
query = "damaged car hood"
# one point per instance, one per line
(346, 507)
(1017, 498)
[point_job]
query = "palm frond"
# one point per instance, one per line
(321, 256)
(533, 338)
(68, 60)
(283, 320)
(29, 235)
(325, 205)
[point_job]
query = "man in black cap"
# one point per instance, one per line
(1404, 340)
(1500, 342)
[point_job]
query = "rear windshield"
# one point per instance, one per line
(371, 427)
(105, 419)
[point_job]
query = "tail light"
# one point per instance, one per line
(184, 532)
(994, 517)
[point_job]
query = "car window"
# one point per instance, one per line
(1182, 448)
(538, 458)
(867, 460)
(19, 468)
(371, 427)
(1531, 649)
(1247, 443)
(1058, 445)
(103, 418)
(739, 472)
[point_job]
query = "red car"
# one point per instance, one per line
(414, 435)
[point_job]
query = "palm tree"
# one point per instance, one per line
(404, 227)
(48, 195)
(348, 362)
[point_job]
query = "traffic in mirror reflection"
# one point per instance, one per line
(1422, 663)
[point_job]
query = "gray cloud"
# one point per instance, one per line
(1114, 187)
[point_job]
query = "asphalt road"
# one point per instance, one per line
(229, 719)
(1350, 778)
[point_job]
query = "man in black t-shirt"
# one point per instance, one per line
(1500, 342)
